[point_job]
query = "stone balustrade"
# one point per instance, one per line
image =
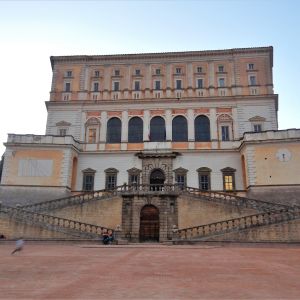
(71, 200)
(225, 226)
(54, 223)
(232, 199)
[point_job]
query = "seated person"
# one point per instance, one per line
(107, 237)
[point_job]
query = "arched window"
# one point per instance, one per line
(135, 130)
(202, 129)
(113, 134)
(157, 129)
(179, 129)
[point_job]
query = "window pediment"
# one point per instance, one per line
(225, 118)
(63, 123)
(257, 119)
(92, 121)
(88, 170)
(111, 170)
(134, 171)
(204, 169)
(228, 169)
(180, 170)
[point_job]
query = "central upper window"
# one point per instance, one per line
(157, 129)
(116, 86)
(137, 86)
(178, 84)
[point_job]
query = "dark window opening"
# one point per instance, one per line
(202, 129)
(113, 131)
(157, 129)
(179, 129)
(135, 130)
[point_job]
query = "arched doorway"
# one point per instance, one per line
(157, 180)
(149, 224)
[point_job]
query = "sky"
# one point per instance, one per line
(32, 31)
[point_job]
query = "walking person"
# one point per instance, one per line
(19, 245)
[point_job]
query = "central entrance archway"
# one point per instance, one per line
(157, 180)
(149, 224)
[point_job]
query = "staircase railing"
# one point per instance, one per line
(99, 194)
(240, 223)
(71, 200)
(68, 226)
(177, 189)
(228, 198)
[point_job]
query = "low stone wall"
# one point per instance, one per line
(193, 212)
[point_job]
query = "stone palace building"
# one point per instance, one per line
(152, 126)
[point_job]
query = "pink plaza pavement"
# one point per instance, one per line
(150, 271)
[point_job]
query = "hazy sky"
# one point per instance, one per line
(32, 31)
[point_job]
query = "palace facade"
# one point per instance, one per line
(203, 119)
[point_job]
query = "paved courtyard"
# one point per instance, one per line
(48, 271)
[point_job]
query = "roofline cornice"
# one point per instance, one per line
(164, 55)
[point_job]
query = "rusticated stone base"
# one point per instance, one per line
(132, 206)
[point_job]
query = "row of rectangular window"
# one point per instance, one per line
(157, 84)
(221, 69)
(204, 181)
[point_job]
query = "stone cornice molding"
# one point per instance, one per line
(163, 55)
(182, 101)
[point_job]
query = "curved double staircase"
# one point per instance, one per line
(267, 213)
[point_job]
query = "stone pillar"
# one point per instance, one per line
(190, 77)
(191, 125)
(213, 124)
(124, 136)
(211, 78)
(168, 113)
(103, 127)
(107, 82)
(146, 133)
(83, 128)
(169, 80)
(235, 124)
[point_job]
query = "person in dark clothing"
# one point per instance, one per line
(107, 237)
